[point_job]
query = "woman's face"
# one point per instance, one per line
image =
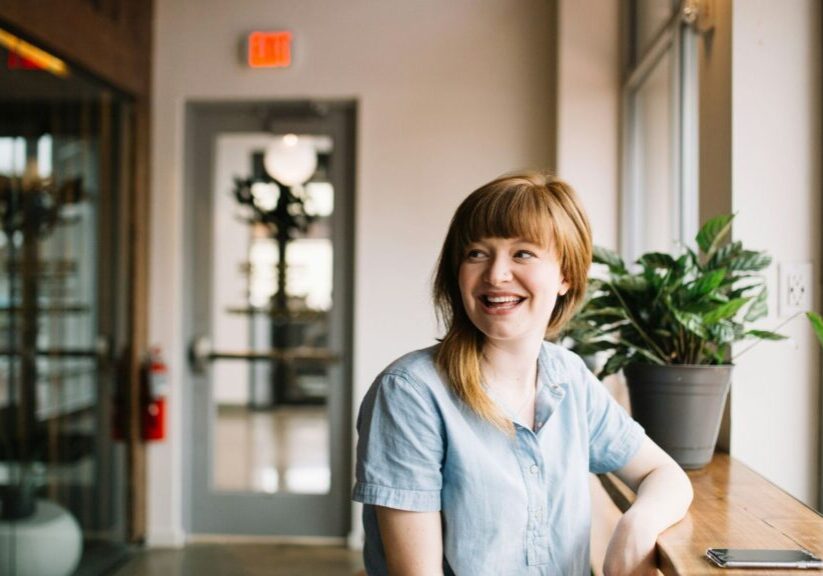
(509, 288)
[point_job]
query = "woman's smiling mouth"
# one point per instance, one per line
(497, 303)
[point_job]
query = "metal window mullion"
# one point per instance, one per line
(689, 133)
(631, 206)
(675, 177)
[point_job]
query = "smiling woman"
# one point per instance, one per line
(533, 212)
(474, 455)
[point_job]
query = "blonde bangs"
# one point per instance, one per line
(519, 213)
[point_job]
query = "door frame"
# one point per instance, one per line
(204, 121)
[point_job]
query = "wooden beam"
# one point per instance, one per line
(112, 40)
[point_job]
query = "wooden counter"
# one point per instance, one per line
(734, 507)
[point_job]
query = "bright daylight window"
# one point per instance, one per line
(659, 187)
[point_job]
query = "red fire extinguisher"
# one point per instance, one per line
(156, 390)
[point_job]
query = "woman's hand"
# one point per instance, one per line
(664, 493)
(631, 550)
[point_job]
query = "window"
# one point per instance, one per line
(659, 187)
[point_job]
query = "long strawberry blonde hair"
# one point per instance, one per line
(535, 206)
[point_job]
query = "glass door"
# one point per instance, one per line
(63, 153)
(270, 256)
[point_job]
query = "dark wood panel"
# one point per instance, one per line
(139, 235)
(109, 38)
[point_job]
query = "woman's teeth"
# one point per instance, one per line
(499, 301)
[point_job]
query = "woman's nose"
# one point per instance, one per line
(499, 270)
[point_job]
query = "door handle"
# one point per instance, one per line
(202, 352)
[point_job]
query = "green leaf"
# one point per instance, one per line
(595, 285)
(719, 356)
(614, 364)
(706, 284)
(713, 233)
(652, 358)
(703, 306)
(724, 311)
(685, 262)
(750, 260)
(601, 307)
(765, 335)
(662, 333)
(631, 284)
(817, 325)
(723, 332)
(752, 288)
(759, 308)
(724, 254)
(593, 346)
(655, 260)
(601, 317)
(610, 258)
(691, 322)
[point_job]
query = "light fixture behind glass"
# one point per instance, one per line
(290, 160)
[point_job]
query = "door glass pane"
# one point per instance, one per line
(653, 160)
(61, 472)
(271, 426)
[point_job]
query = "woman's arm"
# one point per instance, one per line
(412, 541)
(664, 493)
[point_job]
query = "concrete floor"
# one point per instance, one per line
(248, 444)
(244, 560)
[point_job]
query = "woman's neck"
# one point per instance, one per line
(510, 367)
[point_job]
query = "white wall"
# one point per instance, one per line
(450, 94)
(588, 99)
(776, 152)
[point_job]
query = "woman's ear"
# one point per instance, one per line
(564, 287)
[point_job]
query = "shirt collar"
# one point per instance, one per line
(554, 382)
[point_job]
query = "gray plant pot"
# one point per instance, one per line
(680, 406)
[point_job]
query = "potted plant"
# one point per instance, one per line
(669, 325)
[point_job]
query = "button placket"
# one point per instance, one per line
(531, 458)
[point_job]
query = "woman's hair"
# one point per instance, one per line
(534, 206)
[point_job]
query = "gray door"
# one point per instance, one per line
(269, 197)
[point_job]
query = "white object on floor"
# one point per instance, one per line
(48, 543)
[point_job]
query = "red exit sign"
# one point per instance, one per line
(269, 49)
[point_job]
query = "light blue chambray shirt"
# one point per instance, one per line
(509, 505)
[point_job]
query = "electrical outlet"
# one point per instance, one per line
(795, 288)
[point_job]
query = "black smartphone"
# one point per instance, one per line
(755, 558)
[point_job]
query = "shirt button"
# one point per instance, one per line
(533, 469)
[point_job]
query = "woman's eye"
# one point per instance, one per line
(524, 254)
(474, 254)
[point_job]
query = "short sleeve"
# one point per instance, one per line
(400, 447)
(613, 436)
